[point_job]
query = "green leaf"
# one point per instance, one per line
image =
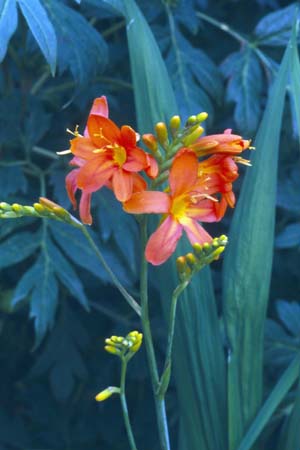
(8, 24)
(81, 48)
(17, 248)
(289, 439)
(249, 255)
(295, 87)
(61, 356)
(275, 28)
(44, 297)
(244, 88)
(195, 77)
(149, 74)
(13, 431)
(66, 274)
(289, 237)
(289, 314)
(12, 180)
(26, 284)
(41, 28)
(277, 395)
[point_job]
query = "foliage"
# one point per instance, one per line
(56, 301)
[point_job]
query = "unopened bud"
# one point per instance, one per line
(191, 259)
(150, 141)
(162, 132)
(175, 123)
(202, 116)
(112, 350)
(106, 393)
(192, 120)
(190, 138)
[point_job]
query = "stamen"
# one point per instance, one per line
(75, 132)
(101, 135)
(240, 160)
(64, 152)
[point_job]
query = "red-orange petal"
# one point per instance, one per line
(148, 202)
(122, 184)
(128, 137)
(92, 176)
(99, 108)
(102, 131)
(183, 173)
(83, 147)
(85, 207)
(139, 184)
(195, 232)
(163, 241)
(136, 160)
(71, 186)
(152, 166)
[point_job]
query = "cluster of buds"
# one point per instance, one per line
(125, 347)
(202, 255)
(45, 209)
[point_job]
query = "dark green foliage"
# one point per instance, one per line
(57, 304)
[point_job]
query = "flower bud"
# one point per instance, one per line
(190, 138)
(202, 116)
(192, 120)
(162, 132)
(151, 142)
(106, 393)
(175, 123)
(112, 350)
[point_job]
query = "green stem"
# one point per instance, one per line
(159, 402)
(176, 293)
(130, 300)
(223, 27)
(124, 406)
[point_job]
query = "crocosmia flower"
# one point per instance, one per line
(225, 143)
(186, 203)
(106, 156)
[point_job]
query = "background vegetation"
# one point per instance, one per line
(57, 304)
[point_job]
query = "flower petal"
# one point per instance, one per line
(163, 241)
(99, 108)
(83, 147)
(148, 202)
(136, 160)
(128, 137)
(84, 208)
(92, 176)
(204, 210)
(183, 173)
(102, 131)
(139, 184)
(122, 184)
(71, 186)
(195, 232)
(152, 167)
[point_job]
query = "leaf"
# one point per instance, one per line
(8, 24)
(275, 28)
(61, 356)
(295, 90)
(248, 256)
(148, 71)
(277, 395)
(44, 298)
(17, 248)
(195, 77)
(288, 194)
(80, 47)
(289, 439)
(13, 431)
(289, 237)
(289, 314)
(41, 28)
(244, 88)
(12, 180)
(26, 284)
(65, 273)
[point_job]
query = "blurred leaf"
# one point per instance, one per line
(44, 297)
(289, 314)
(62, 355)
(275, 28)
(289, 439)
(289, 237)
(13, 431)
(10, 116)
(112, 5)
(41, 28)
(195, 77)
(8, 24)
(244, 88)
(12, 180)
(278, 393)
(247, 257)
(37, 122)
(80, 47)
(288, 195)
(17, 248)
(295, 89)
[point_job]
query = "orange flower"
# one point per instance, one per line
(185, 204)
(106, 155)
(225, 143)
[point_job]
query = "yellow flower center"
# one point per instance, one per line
(178, 208)
(119, 155)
